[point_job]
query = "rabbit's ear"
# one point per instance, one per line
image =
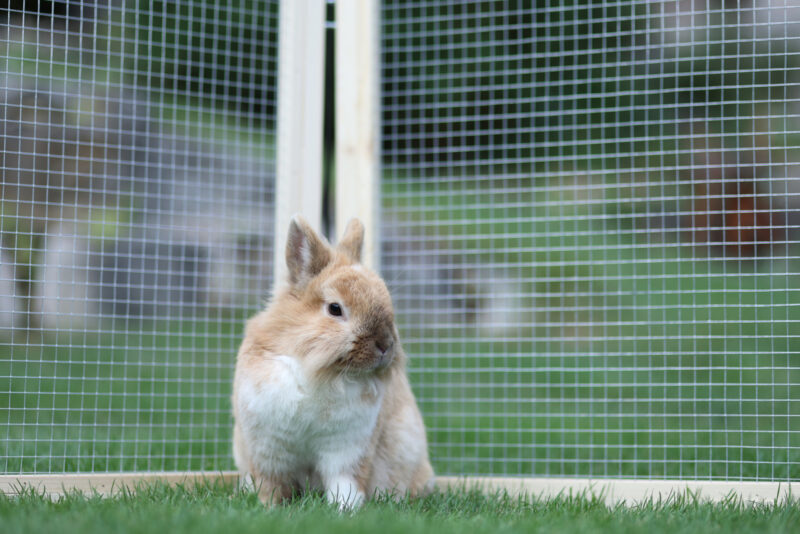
(306, 252)
(352, 241)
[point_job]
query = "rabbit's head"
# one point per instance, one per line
(334, 312)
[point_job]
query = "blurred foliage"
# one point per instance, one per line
(517, 81)
(220, 54)
(47, 9)
(553, 84)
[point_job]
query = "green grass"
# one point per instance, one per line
(216, 508)
(634, 355)
(149, 396)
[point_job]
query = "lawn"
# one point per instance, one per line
(216, 508)
(621, 353)
(619, 347)
(135, 395)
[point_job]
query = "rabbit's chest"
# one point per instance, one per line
(289, 420)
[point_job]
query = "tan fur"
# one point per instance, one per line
(385, 446)
(362, 346)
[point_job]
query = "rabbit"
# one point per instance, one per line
(321, 399)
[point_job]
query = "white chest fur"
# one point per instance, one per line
(292, 426)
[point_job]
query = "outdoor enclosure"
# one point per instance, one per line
(589, 221)
(587, 216)
(138, 213)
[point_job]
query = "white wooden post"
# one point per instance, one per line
(358, 119)
(301, 88)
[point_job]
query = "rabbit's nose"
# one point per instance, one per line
(383, 345)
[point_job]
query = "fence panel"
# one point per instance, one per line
(589, 226)
(137, 214)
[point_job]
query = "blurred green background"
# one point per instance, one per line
(592, 209)
(588, 228)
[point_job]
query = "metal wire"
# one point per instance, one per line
(138, 171)
(589, 229)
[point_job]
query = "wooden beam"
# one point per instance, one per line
(611, 491)
(358, 120)
(626, 491)
(301, 89)
(106, 484)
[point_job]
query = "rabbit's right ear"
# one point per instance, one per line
(353, 240)
(306, 252)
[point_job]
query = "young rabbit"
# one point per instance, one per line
(320, 394)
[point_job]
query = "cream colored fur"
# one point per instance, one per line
(322, 400)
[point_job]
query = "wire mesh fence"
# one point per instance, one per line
(137, 201)
(589, 227)
(590, 231)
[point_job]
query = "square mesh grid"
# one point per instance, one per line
(590, 216)
(137, 205)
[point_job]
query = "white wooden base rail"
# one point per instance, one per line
(611, 491)
(107, 483)
(628, 491)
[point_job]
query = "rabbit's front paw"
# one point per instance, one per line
(345, 492)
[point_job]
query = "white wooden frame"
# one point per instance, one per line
(299, 190)
(628, 492)
(358, 120)
(301, 92)
(106, 484)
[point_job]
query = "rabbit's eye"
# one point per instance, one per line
(335, 309)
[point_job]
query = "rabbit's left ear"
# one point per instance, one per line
(307, 254)
(352, 241)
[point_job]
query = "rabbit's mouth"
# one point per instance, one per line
(367, 355)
